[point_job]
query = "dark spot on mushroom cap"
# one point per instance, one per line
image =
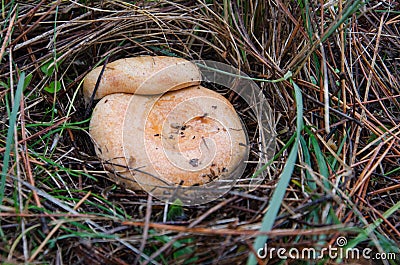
(213, 173)
(194, 162)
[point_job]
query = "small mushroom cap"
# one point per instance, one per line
(188, 137)
(146, 75)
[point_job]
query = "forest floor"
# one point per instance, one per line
(330, 70)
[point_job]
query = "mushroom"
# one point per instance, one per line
(164, 129)
(146, 75)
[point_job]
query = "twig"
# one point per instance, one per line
(193, 224)
(369, 168)
(325, 88)
(41, 246)
(386, 190)
(145, 233)
(227, 231)
(37, 22)
(96, 87)
(49, 32)
(366, 94)
(334, 110)
(10, 26)
(27, 163)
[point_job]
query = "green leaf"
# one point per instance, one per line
(6, 86)
(54, 86)
(48, 68)
(175, 210)
(28, 79)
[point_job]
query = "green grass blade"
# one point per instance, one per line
(371, 228)
(10, 134)
(321, 161)
(264, 167)
(364, 234)
(280, 190)
(323, 168)
(307, 159)
(339, 150)
(354, 7)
